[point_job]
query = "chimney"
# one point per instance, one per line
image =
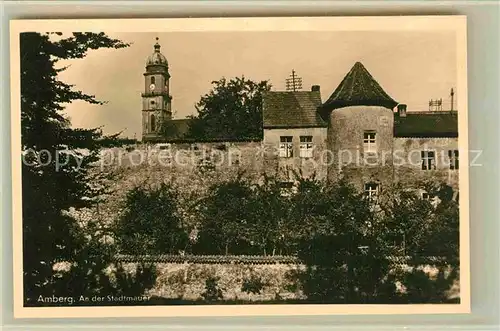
(402, 110)
(315, 88)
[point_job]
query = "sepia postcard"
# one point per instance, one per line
(240, 166)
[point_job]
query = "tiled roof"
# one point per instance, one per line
(358, 88)
(426, 124)
(292, 109)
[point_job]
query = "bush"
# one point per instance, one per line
(137, 283)
(421, 287)
(151, 223)
(252, 285)
(212, 290)
(345, 243)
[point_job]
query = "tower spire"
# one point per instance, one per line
(157, 45)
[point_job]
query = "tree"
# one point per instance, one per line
(338, 244)
(423, 227)
(55, 169)
(271, 228)
(408, 221)
(428, 234)
(212, 292)
(151, 223)
(226, 218)
(231, 110)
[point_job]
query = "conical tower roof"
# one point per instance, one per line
(358, 88)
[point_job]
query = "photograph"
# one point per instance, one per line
(203, 165)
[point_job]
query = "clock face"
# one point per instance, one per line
(152, 86)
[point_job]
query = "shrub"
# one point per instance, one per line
(151, 223)
(212, 290)
(253, 285)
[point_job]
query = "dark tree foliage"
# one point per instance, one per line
(408, 222)
(232, 110)
(346, 241)
(337, 242)
(53, 181)
(212, 292)
(423, 288)
(253, 285)
(226, 220)
(271, 218)
(151, 223)
(444, 236)
(422, 228)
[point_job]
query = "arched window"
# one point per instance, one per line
(153, 123)
(152, 79)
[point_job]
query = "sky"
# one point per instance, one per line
(412, 67)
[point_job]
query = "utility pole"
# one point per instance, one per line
(294, 83)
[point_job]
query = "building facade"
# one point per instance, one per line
(362, 134)
(359, 132)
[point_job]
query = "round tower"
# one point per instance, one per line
(360, 130)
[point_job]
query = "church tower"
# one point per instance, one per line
(156, 99)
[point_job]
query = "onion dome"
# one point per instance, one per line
(156, 58)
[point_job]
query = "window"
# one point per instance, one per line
(306, 146)
(153, 80)
(369, 142)
(152, 102)
(286, 146)
(371, 190)
(453, 156)
(428, 160)
(153, 124)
